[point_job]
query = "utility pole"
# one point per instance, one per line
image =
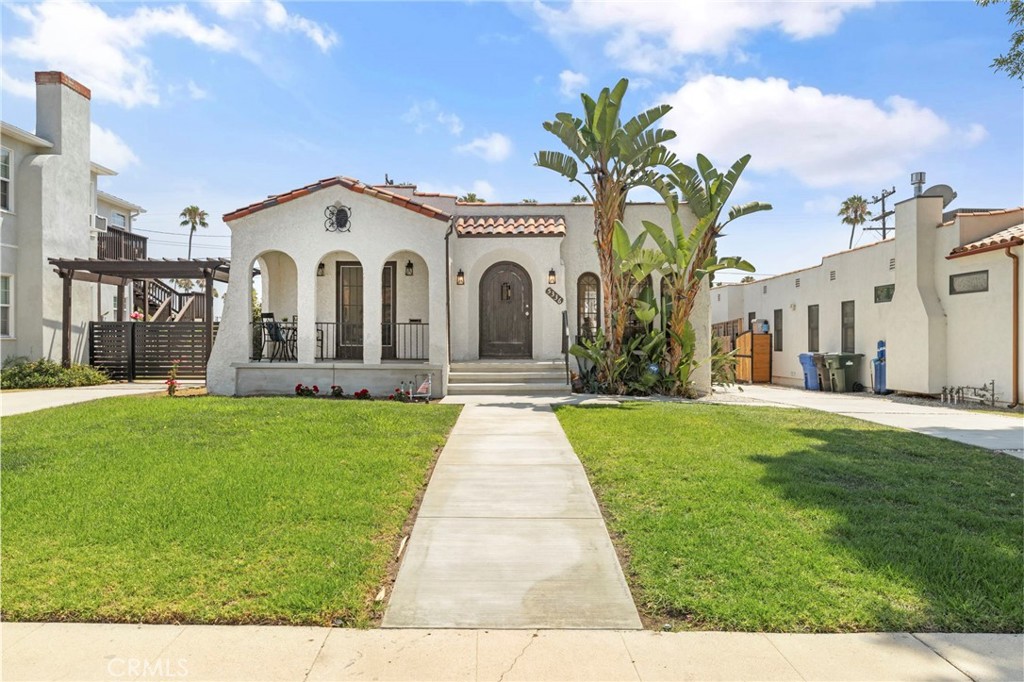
(886, 193)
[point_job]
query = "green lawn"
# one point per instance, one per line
(209, 510)
(744, 518)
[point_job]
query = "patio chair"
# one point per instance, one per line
(275, 335)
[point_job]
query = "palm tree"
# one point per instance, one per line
(854, 212)
(579, 199)
(471, 198)
(192, 217)
(529, 201)
(617, 158)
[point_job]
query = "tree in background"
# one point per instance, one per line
(579, 199)
(746, 279)
(1013, 61)
(471, 198)
(192, 217)
(854, 212)
(529, 201)
(618, 158)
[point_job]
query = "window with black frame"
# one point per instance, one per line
(588, 305)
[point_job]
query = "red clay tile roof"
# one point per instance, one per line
(1011, 236)
(348, 183)
(510, 225)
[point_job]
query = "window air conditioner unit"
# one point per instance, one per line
(98, 223)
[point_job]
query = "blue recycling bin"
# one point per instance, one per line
(810, 372)
(878, 365)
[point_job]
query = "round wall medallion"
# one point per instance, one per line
(338, 218)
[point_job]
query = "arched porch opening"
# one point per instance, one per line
(340, 306)
(405, 307)
(273, 307)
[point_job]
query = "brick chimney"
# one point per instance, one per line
(62, 113)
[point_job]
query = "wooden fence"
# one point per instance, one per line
(147, 350)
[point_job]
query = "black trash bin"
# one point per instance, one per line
(844, 370)
(824, 383)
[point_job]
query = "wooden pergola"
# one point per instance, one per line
(120, 273)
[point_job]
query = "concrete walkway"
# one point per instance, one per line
(993, 431)
(509, 534)
(74, 651)
(18, 402)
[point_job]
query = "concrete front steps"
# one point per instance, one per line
(507, 377)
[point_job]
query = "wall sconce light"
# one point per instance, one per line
(408, 268)
(320, 270)
(552, 279)
(460, 277)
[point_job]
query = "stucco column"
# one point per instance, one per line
(306, 310)
(372, 313)
(436, 283)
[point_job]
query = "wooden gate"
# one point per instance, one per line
(147, 350)
(754, 358)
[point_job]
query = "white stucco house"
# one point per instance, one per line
(368, 286)
(944, 294)
(50, 207)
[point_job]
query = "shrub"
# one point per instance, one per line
(400, 395)
(307, 391)
(362, 394)
(337, 391)
(24, 373)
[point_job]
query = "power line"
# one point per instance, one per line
(178, 234)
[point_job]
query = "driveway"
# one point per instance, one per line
(20, 401)
(1004, 433)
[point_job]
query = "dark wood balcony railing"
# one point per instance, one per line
(118, 244)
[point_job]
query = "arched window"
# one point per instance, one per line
(588, 305)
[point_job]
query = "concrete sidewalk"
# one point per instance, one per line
(74, 651)
(992, 431)
(509, 533)
(19, 402)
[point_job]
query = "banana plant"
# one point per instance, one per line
(616, 157)
(689, 257)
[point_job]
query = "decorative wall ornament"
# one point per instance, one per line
(338, 218)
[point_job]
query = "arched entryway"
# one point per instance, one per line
(506, 323)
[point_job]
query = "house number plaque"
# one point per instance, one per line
(554, 296)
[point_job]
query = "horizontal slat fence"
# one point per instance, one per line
(147, 350)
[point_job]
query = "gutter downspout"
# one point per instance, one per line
(1016, 326)
(448, 291)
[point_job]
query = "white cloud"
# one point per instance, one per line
(196, 92)
(107, 149)
(572, 83)
(649, 37)
(822, 139)
(975, 134)
(278, 18)
(494, 147)
(15, 86)
(107, 52)
(422, 116)
(450, 121)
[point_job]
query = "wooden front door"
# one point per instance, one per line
(506, 327)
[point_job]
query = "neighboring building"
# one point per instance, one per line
(943, 294)
(50, 207)
(387, 283)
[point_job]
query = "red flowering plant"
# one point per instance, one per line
(172, 378)
(362, 394)
(337, 391)
(400, 395)
(307, 391)
(137, 316)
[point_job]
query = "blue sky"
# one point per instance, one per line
(221, 104)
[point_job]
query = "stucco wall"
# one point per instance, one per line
(380, 232)
(934, 339)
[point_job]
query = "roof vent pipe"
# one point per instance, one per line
(917, 180)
